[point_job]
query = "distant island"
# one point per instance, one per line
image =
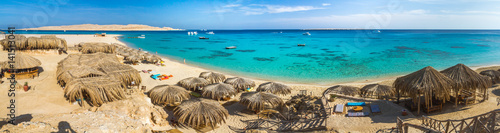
(113, 27)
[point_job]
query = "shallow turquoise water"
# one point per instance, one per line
(328, 57)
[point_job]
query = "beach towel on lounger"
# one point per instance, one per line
(357, 114)
(339, 108)
(356, 104)
(375, 109)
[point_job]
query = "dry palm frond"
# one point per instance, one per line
(342, 89)
(376, 90)
(23, 61)
(35, 43)
(275, 88)
(164, 95)
(240, 83)
(95, 90)
(94, 47)
(218, 91)
(213, 77)
(258, 101)
(200, 112)
(466, 78)
(494, 75)
(193, 83)
(82, 71)
(126, 74)
(427, 81)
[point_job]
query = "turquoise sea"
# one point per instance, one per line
(330, 56)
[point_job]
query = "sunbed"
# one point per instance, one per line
(356, 104)
(358, 114)
(339, 108)
(375, 109)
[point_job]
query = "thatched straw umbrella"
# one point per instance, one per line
(275, 88)
(494, 75)
(219, 91)
(23, 61)
(193, 83)
(125, 73)
(34, 43)
(257, 101)
(81, 71)
(24, 67)
(94, 47)
(95, 90)
(170, 95)
(133, 58)
(198, 113)
(213, 77)
(240, 83)
(342, 89)
(376, 90)
(428, 82)
(466, 78)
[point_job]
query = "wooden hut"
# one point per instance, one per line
(24, 67)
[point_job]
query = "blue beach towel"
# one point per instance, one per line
(356, 104)
(375, 109)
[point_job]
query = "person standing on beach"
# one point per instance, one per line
(184, 60)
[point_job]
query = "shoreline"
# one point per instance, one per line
(326, 84)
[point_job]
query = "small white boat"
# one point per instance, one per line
(142, 36)
(307, 33)
(231, 47)
(301, 44)
(210, 33)
(195, 33)
(189, 33)
(376, 31)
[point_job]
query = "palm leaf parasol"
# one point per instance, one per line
(240, 83)
(164, 95)
(213, 77)
(342, 89)
(193, 83)
(200, 112)
(275, 88)
(376, 90)
(494, 75)
(258, 101)
(218, 91)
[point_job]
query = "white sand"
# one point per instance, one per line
(47, 99)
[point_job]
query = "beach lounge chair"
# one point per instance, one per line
(339, 108)
(356, 104)
(375, 109)
(358, 114)
(144, 71)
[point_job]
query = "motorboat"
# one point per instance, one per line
(203, 37)
(307, 33)
(210, 33)
(142, 36)
(231, 47)
(301, 44)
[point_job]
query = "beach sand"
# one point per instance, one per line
(47, 110)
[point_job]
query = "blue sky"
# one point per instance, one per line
(257, 14)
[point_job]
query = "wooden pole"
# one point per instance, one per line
(418, 106)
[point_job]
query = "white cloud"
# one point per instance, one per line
(256, 9)
(471, 12)
(326, 4)
(232, 5)
(419, 11)
(399, 21)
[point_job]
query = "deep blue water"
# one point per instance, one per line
(330, 56)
